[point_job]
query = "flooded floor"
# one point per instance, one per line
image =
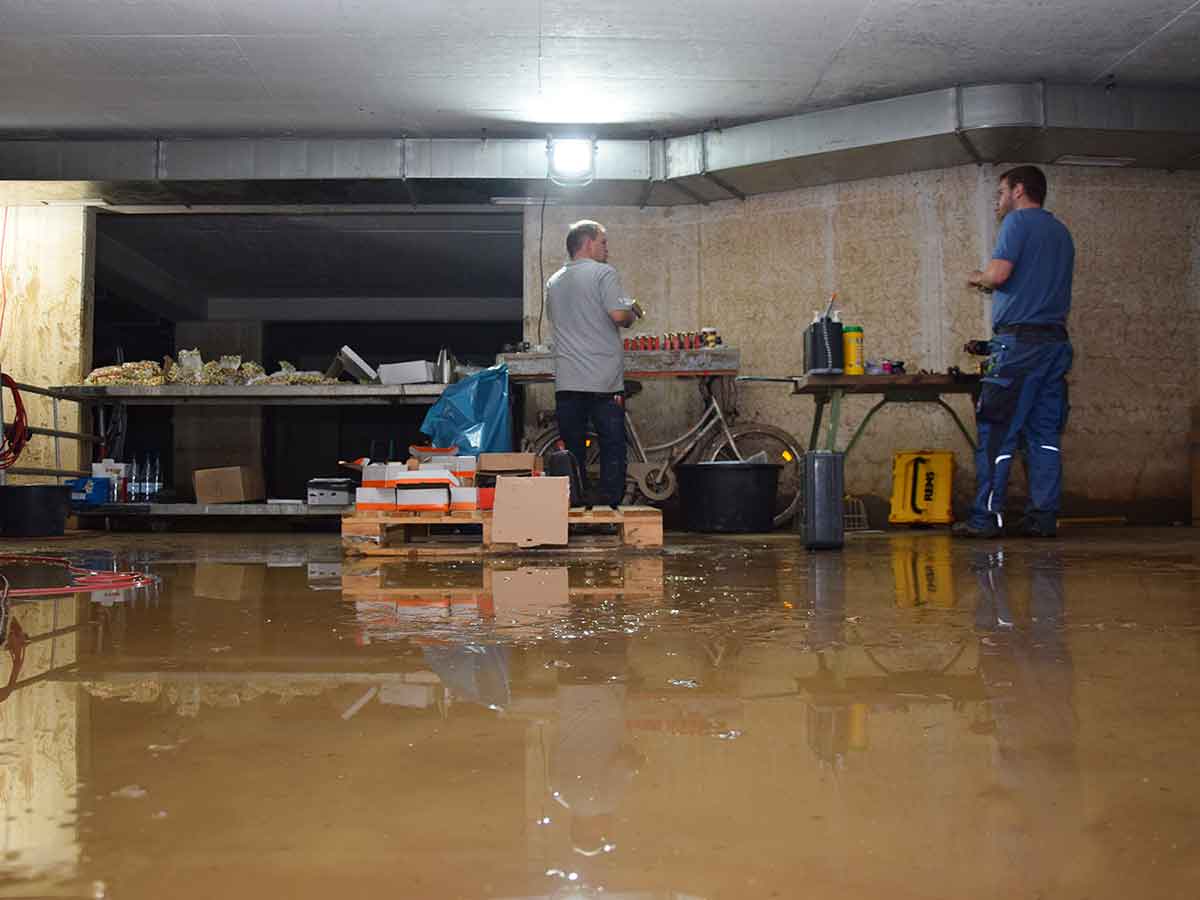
(909, 718)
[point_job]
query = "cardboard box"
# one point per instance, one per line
(374, 498)
(531, 512)
(229, 484)
(418, 371)
(407, 478)
(507, 462)
(423, 499)
(423, 452)
(92, 491)
(106, 468)
(464, 498)
(220, 581)
(330, 492)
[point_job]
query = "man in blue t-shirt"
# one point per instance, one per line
(1023, 399)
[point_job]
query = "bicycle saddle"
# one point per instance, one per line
(632, 389)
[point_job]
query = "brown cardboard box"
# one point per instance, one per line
(229, 484)
(531, 511)
(508, 462)
(233, 582)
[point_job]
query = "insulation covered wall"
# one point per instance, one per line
(898, 251)
(47, 321)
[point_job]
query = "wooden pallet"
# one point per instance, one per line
(412, 534)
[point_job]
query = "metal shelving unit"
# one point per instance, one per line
(258, 395)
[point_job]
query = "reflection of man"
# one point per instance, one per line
(1023, 400)
(1034, 808)
(587, 309)
(592, 762)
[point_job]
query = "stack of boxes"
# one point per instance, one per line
(433, 480)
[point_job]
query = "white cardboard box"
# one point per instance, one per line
(423, 499)
(375, 498)
(462, 498)
(418, 371)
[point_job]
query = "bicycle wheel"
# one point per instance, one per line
(781, 448)
(543, 443)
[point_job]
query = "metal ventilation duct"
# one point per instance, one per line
(988, 123)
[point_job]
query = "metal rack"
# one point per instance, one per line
(255, 395)
(58, 472)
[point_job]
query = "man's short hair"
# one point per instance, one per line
(1029, 177)
(581, 230)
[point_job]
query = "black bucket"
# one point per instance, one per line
(731, 497)
(34, 510)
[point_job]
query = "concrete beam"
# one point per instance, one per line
(147, 284)
(366, 309)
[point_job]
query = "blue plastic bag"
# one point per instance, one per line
(473, 414)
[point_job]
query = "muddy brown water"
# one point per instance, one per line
(909, 718)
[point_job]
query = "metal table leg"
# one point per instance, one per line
(957, 421)
(863, 424)
(815, 434)
(835, 415)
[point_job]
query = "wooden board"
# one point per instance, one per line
(378, 533)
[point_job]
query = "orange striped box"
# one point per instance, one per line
(464, 498)
(423, 499)
(375, 498)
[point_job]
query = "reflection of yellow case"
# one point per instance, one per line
(923, 572)
(922, 485)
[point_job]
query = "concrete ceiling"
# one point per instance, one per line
(625, 68)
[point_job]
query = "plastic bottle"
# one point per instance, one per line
(852, 341)
(135, 480)
(155, 478)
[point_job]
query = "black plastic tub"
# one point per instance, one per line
(34, 510)
(728, 497)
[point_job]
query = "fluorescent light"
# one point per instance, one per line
(572, 161)
(87, 201)
(1109, 162)
(522, 201)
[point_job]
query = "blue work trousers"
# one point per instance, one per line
(606, 413)
(1022, 406)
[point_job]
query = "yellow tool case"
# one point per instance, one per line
(922, 487)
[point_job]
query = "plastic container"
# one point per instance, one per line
(823, 348)
(852, 345)
(34, 510)
(824, 487)
(728, 497)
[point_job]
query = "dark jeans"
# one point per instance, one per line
(606, 413)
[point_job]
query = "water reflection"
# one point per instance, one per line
(733, 722)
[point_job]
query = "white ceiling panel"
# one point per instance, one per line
(516, 67)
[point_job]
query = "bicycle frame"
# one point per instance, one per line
(713, 416)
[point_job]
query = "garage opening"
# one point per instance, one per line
(293, 288)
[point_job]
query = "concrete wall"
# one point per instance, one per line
(897, 250)
(46, 340)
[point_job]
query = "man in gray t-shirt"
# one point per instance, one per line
(587, 309)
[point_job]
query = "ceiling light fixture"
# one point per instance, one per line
(1108, 162)
(572, 161)
(522, 201)
(86, 201)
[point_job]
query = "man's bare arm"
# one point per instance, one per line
(996, 273)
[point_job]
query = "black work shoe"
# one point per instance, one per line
(1033, 529)
(966, 530)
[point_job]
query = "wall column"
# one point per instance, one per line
(46, 270)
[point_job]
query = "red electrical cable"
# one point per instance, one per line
(13, 441)
(83, 581)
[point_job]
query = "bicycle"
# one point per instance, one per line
(715, 436)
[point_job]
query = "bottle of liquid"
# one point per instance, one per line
(154, 480)
(135, 480)
(852, 341)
